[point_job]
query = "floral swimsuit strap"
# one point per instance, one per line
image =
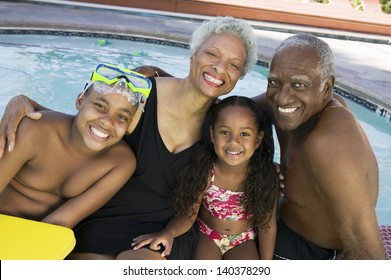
(222, 203)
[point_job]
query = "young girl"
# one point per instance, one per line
(231, 186)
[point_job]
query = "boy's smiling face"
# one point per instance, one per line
(103, 119)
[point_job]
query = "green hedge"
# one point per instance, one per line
(385, 4)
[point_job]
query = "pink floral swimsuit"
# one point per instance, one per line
(225, 205)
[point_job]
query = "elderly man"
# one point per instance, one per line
(331, 173)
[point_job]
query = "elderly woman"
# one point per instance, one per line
(164, 140)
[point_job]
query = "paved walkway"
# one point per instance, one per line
(338, 14)
(363, 63)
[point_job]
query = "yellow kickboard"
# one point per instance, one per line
(22, 239)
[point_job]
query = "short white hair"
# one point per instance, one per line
(230, 25)
(322, 49)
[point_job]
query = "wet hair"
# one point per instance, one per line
(230, 25)
(260, 186)
(322, 49)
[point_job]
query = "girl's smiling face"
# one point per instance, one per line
(235, 136)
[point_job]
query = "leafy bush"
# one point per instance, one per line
(386, 6)
(357, 4)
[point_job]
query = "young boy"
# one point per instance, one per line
(63, 167)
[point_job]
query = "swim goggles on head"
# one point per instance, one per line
(108, 78)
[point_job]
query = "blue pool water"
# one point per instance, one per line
(53, 70)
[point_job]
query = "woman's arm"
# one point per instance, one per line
(17, 108)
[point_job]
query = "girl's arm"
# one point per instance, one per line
(176, 227)
(267, 237)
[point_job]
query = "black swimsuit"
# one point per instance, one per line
(142, 205)
(290, 246)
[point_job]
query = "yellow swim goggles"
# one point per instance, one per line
(109, 78)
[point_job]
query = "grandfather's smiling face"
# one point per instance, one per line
(295, 88)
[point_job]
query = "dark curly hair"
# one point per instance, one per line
(260, 187)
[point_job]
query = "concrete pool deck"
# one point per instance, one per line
(363, 61)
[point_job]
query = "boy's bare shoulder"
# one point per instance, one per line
(120, 154)
(48, 119)
(122, 151)
(55, 117)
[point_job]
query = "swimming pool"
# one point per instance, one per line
(53, 70)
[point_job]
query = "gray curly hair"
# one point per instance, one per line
(223, 25)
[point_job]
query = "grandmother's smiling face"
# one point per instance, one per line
(218, 64)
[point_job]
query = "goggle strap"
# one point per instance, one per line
(86, 87)
(142, 101)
